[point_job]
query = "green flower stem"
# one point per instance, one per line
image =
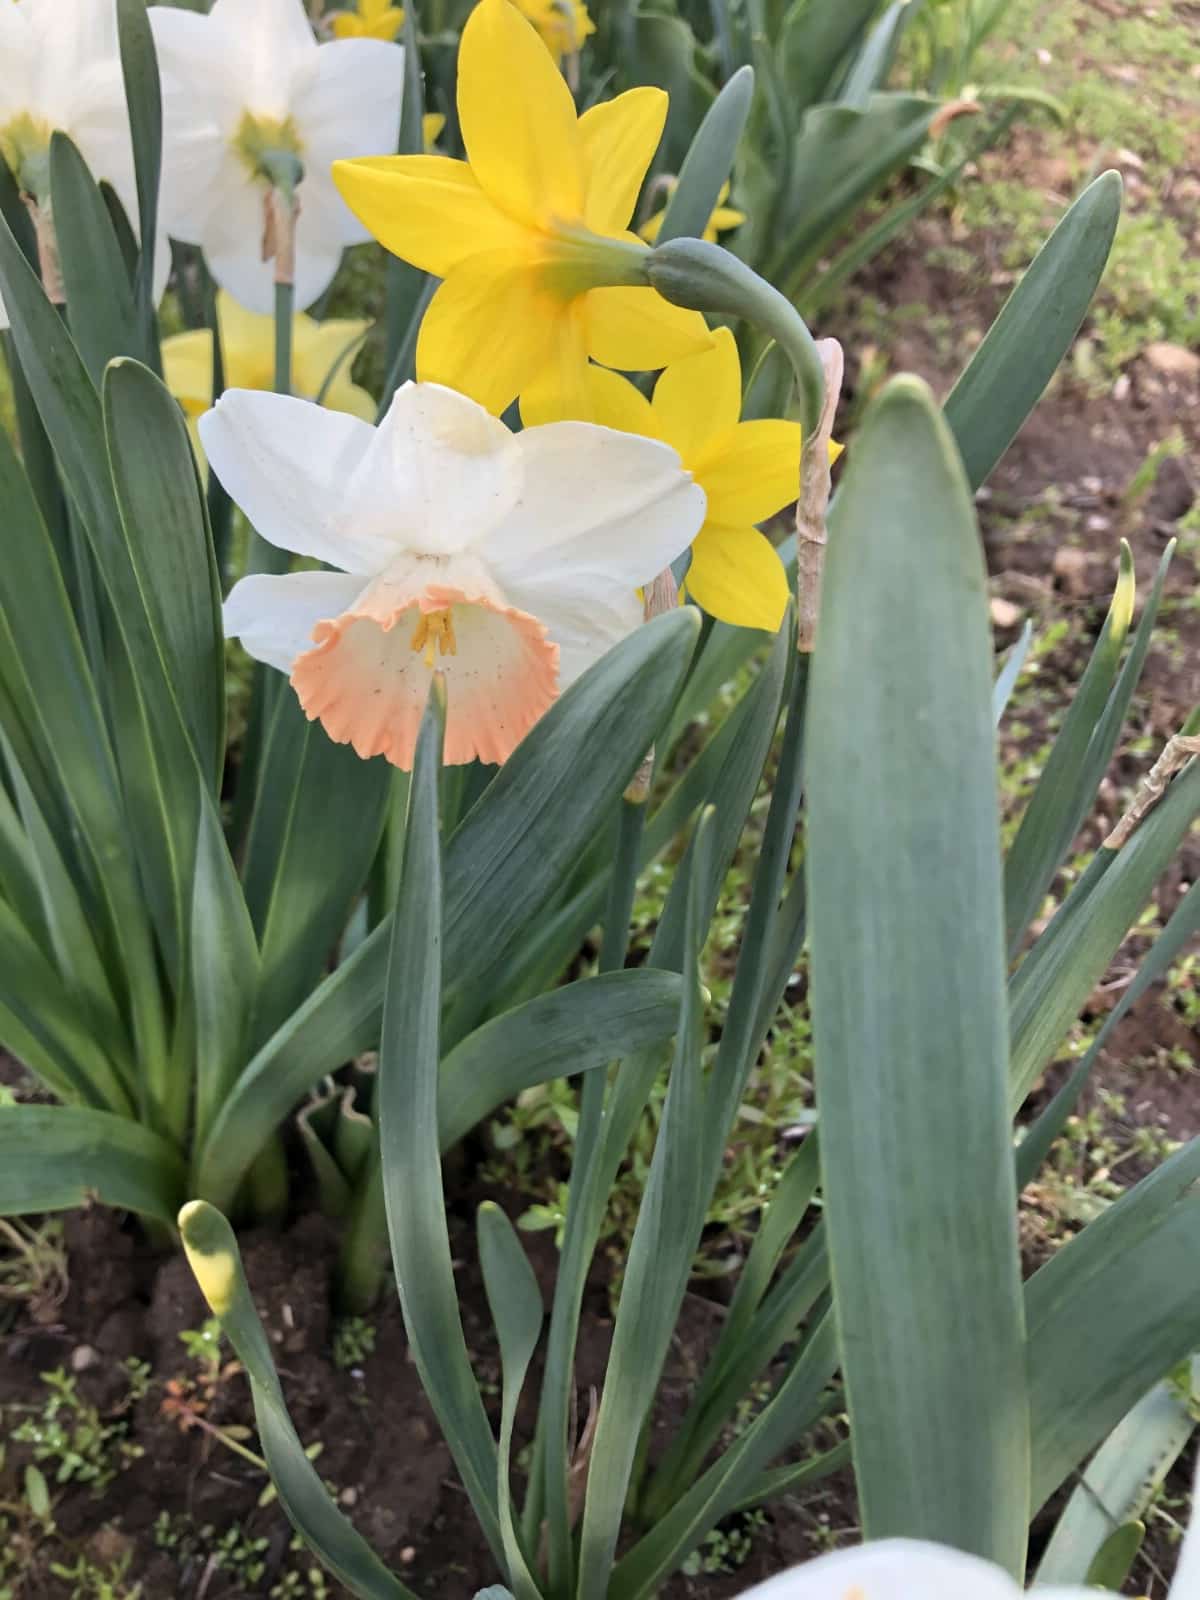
(704, 277)
(285, 299)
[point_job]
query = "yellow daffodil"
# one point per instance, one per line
(530, 233)
(748, 471)
(371, 19)
(248, 352)
(563, 24)
(722, 219)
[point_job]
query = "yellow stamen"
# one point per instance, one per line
(257, 137)
(434, 629)
(25, 146)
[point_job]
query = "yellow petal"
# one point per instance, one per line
(489, 331)
(607, 399)
(652, 227)
(619, 140)
(736, 576)
(428, 210)
(558, 390)
(726, 217)
(637, 330)
(432, 124)
(700, 398)
(751, 472)
(346, 25)
(518, 118)
(319, 347)
(188, 369)
(343, 395)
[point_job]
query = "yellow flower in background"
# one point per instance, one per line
(432, 124)
(722, 219)
(248, 352)
(748, 471)
(530, 233)
(563, 24)
(371, 19)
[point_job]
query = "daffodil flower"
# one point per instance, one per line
(322, 355)
(371, 19)
(530, 233)
(748, 471)
(563, 25)
(722, 220)
(249, 82)
(506, 562)
(432, 124)
(60, 68)
(911, 1569)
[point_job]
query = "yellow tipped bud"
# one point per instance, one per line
(213, 1262)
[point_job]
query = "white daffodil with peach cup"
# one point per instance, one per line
(508, 563)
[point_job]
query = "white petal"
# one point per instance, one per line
(274, 616)
(286, 462)
(73, 36)
(893, 1569)
(352, 106)
(584, 620)
(18, 52)
(611, 504)
(440, 474)
(273, 55)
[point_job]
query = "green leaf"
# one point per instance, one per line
(516, 1306)
(577, 1028)
(664, 54)
(1061, 800)
(874, 61)
(214, 1259)
(1064, 966)
(1110, 1314)
(1008, 374)
(909, 1000)
(1007, 677)
(99, 295)
(224, 970)
(143, 96)
(55, 1158)
(506, 861)
(408, 1141)
(161, 503)
(670, 1217)
(709, 160)
(815, 39)
(317, 802)
(1120, 1483)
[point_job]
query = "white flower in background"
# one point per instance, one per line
(507, 562)
(909, 1569)
(60, 68)
(249, 79)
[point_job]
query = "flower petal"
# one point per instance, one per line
(428, 210)
(609, 400)
(585, 621)
(736, 576)
(440, 473)
(559, 389)
(615, 508)
(270, 53)
(751, 472)
(635, 329)
(489, 329)
(274, 617)
(892, 1569)
(700, 397)
(619, 140)
(518, 118)
(320, 349)
(368, 677)
(352, 105)
(187, 360)
(286, 462)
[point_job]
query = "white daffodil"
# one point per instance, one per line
(909, 1569)
(60, 69)
(507, 562)
(249, 80)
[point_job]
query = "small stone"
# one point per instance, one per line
(1004, 613)
(1071, 566)
(1097, 524)
(84, 1357)
(1045, 57)
(1172, 360)
(1130, 158)
(1120, 389)
(349, 1497)
(1091, 484)
(408, 1555)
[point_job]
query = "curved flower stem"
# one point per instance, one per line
(705, 277)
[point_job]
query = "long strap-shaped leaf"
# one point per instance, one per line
(1008, 374)
(54, 1158)
(214, 1259)
(908, 998)
(408, 1141)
